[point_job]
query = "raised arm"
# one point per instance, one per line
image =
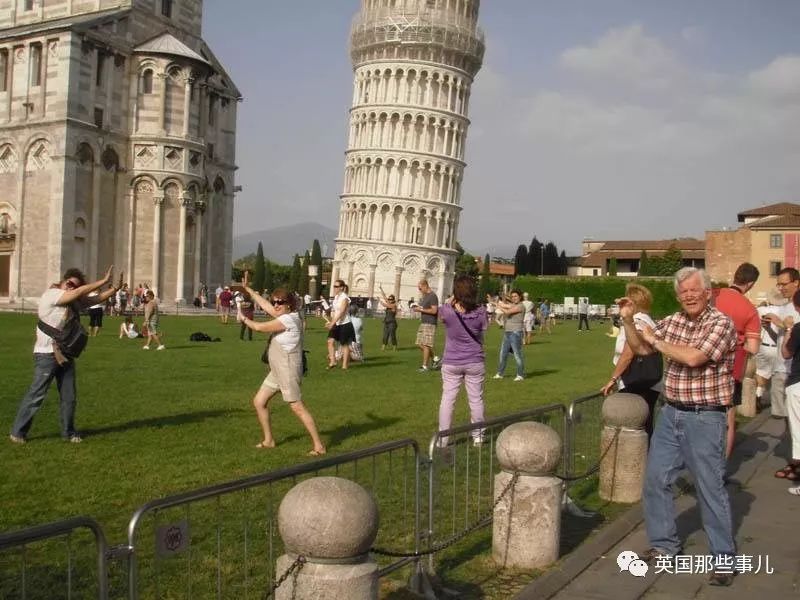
(70, 296)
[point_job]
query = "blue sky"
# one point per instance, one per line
(614, 119)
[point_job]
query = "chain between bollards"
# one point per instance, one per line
(596, 467)
(297, 565)
(457, 537)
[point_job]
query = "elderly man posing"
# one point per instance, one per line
(698, 344)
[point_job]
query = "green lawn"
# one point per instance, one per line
(158, 423)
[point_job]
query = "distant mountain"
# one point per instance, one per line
(282, 243)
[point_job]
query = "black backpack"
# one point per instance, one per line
(70, 339)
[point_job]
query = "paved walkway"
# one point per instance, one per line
(766, 523)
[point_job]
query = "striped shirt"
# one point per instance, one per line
(714, 335)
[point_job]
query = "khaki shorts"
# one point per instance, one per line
(426, 334)
(765, 361)
(285, 372)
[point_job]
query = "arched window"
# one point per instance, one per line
(147, 81)
(5, 223)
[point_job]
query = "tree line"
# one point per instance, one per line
(268, 275)
(540, 259)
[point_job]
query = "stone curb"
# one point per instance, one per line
(575, 563)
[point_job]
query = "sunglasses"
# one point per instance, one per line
(71, 284)
(337, 286)
(279, 302)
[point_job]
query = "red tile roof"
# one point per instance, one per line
(782, 208)
(791, 221)
(639, 245)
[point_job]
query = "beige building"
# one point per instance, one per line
(117, 145)
(597, 255)
(768, 237)
(414, 63)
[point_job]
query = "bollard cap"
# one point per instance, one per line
(328, 517)
(529, 447)
(625, 410)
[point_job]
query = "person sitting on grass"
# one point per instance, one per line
(285, 353)
(128, 329)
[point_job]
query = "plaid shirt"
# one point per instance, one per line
(714, 335)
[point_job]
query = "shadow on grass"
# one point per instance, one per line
(541, 372)
(337, 435)
(162, 421)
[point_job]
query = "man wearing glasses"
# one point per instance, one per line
(68, 295)
(788, 282)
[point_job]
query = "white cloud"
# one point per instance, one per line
(779, 80)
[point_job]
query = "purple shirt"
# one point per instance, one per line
(460, 348)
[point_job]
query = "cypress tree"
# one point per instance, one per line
(302, 286)
(258, 269)
(294, 275)
(316, 254)
(551, 262)
(644, 264)
(521, 260)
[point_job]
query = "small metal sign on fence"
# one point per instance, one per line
(172, 538)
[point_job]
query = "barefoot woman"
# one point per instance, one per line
(285, 363)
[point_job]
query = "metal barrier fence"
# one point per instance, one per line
(40, 579)
(461, 473)
(222, 541)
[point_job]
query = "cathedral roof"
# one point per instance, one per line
(166, 43)
(77, 22)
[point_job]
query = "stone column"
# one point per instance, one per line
(350, 267)
(371, 281)
(398, 276)
(331, 522)
(187, 105)
(334, 275)
(131, 233)
(527, 519)
(181, 271)
(199, 209)
(162, 104)
(623, 446)
(158, 201)
(749, 405)
(95, 233)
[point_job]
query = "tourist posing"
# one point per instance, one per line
(285, 354)
(623, 354)
(61, 303)
(514, 312)
(465, 322)
(427, 308)
(151, 321)
(389, 320)
(791, 351)
(698, 343)
(339, 326)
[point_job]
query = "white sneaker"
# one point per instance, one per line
(145, 347)
(478, 441)
(161, 347)
(497, 376)
(519, 378)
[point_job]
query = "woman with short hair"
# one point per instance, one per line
(285, 354)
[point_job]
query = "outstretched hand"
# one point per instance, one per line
(626, 307)
(246, 279)
(109, 274)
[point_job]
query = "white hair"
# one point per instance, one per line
(686, 272)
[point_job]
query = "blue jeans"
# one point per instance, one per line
(45, 370)
(512, 340)
(695, 440)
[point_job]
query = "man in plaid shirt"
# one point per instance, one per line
(698, 344)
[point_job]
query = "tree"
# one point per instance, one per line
(269, 279)
(644, 264)
(258, 269)
(552, 265)
(563, 263)
(486, 275)
(302, 286)
(671, 261)
(294, 274)
(535, 257)
(612, 266)
(521, 260)
(465, 263)
(316, 254)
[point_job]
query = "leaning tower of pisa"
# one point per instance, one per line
(414, 62)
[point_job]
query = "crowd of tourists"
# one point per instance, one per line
(695, 361)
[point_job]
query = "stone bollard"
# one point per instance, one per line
(623, 465)
(332, 522)
(527, 520)
(749, 405)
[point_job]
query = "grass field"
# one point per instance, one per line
(158, 423)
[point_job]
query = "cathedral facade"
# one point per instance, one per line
(414, 63)
(117, 146)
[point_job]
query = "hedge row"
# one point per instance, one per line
(599, 290)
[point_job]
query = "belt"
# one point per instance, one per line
(769, 345)
(696, 408)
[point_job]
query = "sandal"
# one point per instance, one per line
(790, 472)
(264, 446)
(317, 452)
(794, 491)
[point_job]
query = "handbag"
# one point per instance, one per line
(643, 372)
(71, 340)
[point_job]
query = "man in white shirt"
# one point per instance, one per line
(68, 295)
(788, 282)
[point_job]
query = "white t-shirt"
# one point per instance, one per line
(341, 302)
(93, 296)
(766, 338)
(785, 366)
(53, 315)
(289, 338)
(528, 310)
(640, 319)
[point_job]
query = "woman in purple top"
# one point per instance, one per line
(465, 322)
